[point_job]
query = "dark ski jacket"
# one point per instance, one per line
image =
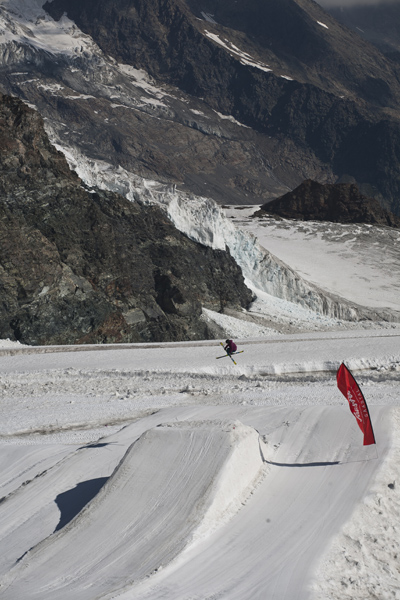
(230, 346)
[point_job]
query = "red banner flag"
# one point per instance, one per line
(350, 389)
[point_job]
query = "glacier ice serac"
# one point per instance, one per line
(203, 221)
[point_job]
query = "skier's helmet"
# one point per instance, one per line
(227, 341)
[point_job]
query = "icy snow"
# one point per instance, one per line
(155, 471)
(208, 17)
(231, 119)
(358, 262)
(244, 58)
(32, 25)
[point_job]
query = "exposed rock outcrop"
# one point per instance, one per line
(89, 266)
(340, 203)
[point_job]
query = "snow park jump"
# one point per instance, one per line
(212, 478)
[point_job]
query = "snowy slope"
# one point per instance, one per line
(359, 262)
(285, 288)
(175, 479)
(157, 471)
(25, 22)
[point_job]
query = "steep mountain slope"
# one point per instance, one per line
(378, 23)
(79, 266)
(287, 70)
(120, 115)
(301, 37)
(247, 99)
(170, 41)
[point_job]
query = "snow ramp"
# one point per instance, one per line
(177, 483)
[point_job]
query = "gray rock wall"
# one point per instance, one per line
(81, 267)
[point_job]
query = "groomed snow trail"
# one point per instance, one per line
(229, 482)
(270, 548)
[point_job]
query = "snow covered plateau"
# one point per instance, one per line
(167, 472)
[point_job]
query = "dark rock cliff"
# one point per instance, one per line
(339, 203)
(82, 267)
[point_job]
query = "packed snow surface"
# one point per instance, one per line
(153, 471)
(25, 21)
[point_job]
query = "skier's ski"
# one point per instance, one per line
(232, 359)
(225, 355)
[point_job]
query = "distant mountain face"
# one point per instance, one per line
(287, 70)
(243, 100)
(178, 40)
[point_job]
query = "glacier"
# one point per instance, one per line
(205, 222)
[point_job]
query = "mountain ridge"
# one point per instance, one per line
(319, 118)
(240, 129)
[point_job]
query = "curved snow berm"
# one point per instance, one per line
(138, 522)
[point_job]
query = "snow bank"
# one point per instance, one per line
(362, 560)
(4, 344)
(234, 327)
(238, 475)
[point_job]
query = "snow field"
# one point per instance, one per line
(358, 262)
(363, 558)
(211, 480)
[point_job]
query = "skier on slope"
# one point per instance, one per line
(230, 347)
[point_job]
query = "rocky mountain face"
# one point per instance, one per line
(238, 102)
(242, 101)
(339, 203)
(89, 266)
(316, 97)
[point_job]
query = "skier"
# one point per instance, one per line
(230, 347)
